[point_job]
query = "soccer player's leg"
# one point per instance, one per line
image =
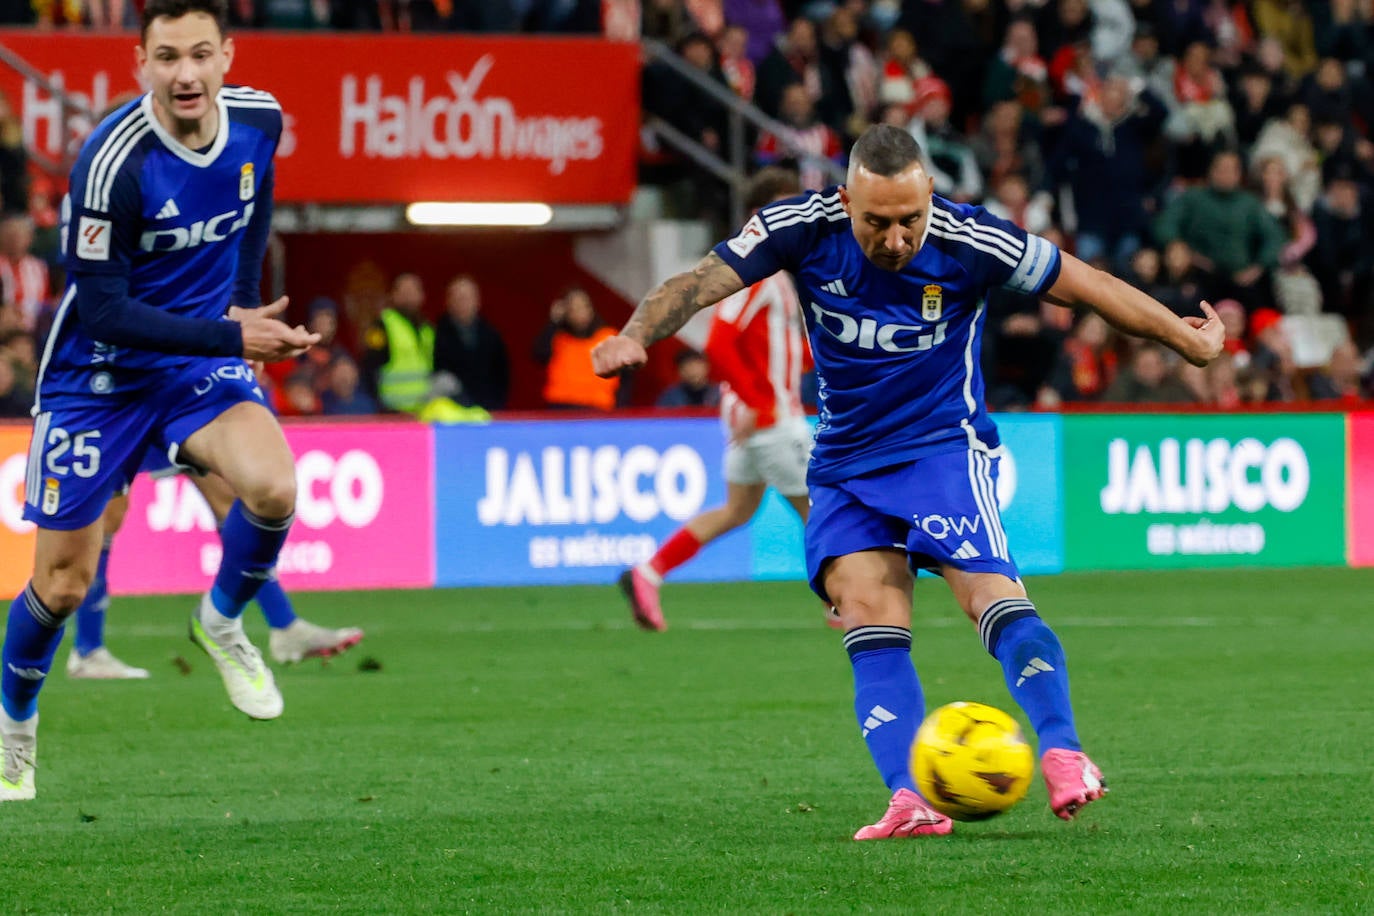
(784, 459)
(292, 638)
(77, 459)
(962, 529)
(223, 425)
(855, 560)
(744, 489)
(90, 658)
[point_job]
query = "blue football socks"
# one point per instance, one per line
(275, 604)
(90, 616)
(887, 698)
(251, 545)
(32, 635)
(1033, 665)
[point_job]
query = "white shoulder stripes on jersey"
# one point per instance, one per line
(989, 239)
(815, 208)
(114, 149)
(246, 97)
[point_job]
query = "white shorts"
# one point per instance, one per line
(777, 456)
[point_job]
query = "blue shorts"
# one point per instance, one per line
(941, 509)
(85, 451)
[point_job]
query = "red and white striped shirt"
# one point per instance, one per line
(24, 281)
(757, 348)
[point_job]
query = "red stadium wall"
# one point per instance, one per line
(520, 274)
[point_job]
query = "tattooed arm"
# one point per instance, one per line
(666, 309)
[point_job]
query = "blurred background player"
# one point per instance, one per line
(166, 225)
(904, 468)
(292, 639)
(757, 349)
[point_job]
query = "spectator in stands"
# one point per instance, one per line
(1223, 383)
(1342, 29)
(565, 346)
(761, 19)
(1333, 94)
(1006, 145)
(964, 39)
(322, 317)
(1012, 201)
(694, 387)
(739, 72)
(1086, 364)
(296, 397)
(470, 349)
(1270, 58)
(949, 158)
(1231, 234)
(14, 402)
(902, 66)
(1183, 282)
(1065, 25)
(1148, 379)
(1341, 148)
(18, 353)
(1271, 369)
(814, 140)
(23, 276)
(345, 396)
(1341, 379)
(698, 116)
(398, 356)
(1102, 158)
(1018, 73)
(1296, 291)
(850, 73)
(794, 59)
(1144, 65)
(1254, 104)
(1343, 256)
(1202, 122)
(1289, 22)
(1233, 319)
(1288, 139)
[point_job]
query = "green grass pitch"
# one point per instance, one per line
(528, 750)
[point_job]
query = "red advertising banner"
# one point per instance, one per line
(364, 517)
(394, 118)
(1360, 486)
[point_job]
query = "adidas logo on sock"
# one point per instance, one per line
(966, 551)
(28, 674)
(876, 716)
(169, 210)
(1033, 667)
(835, 287)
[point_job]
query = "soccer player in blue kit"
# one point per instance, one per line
(892, 281)
(167, 220)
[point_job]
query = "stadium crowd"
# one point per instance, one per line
(1201, 149)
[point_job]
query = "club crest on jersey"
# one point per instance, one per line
(51, 496)
(749, 237)
(246, 181)
(932, 302)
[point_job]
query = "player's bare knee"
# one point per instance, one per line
(62, 588)
(274, 498)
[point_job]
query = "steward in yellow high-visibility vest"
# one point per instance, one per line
(400, 349)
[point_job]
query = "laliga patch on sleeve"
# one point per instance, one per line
(749, 237)
(93, 239)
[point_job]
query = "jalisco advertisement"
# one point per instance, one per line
(544, 503)
(391, 118)
(1172, 491)
(364, 518)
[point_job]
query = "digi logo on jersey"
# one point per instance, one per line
(198, 233)
(867, 334)
(229, 373)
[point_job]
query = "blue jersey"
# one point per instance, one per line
(897, 353)
(170, 220)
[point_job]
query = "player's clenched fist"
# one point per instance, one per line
(616, 353)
